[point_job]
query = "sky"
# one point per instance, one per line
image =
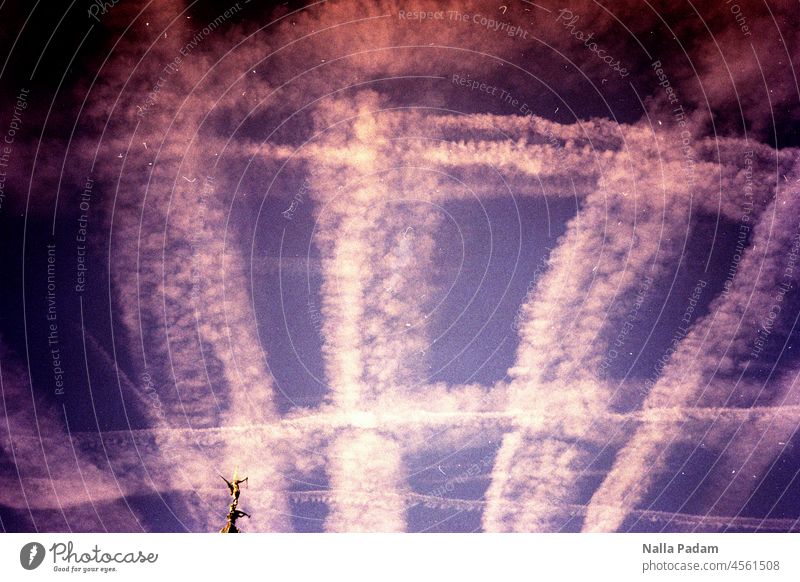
(422, 267)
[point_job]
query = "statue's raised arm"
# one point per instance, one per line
(233, 512)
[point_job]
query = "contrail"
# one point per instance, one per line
(180, 281)
(539, 157)
(569, 341)
(565, 337)
(359, 316)
(752, 450)
(302, 427)
(718, 344)
(43, 461)
(374, 260)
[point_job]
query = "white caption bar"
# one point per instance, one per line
(399, 557)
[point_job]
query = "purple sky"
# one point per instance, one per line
(522, 267)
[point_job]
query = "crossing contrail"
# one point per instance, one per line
(721, 343)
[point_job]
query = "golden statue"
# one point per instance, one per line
(233, 511)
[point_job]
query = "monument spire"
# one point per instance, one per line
(233, 512)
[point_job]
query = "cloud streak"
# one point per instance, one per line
(721, 343)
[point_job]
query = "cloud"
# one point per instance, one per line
(49, 472)
(365, 476)
(172, 130)
(625, 239)
(723, 343)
